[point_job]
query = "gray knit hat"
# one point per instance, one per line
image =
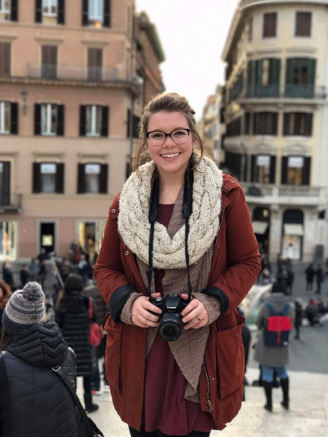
(24, 308)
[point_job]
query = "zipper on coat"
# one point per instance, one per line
(208, 400)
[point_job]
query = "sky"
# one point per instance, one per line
(192, 34)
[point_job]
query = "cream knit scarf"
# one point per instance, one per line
(169, 253)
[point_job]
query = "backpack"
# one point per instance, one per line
(278, 326)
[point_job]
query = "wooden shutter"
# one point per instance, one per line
(5, 58)
(272, 169)
(60, 119)
(269, 25)
(284, 169)
(80, 179)
(311, 71)
(275, 65)
(14, 10)
(128, 123)
(308, 124)
(103, 179)
(289, 71)
(14, 118)
(286, 123)
(83, 120)
(36, 177)
(85, 18)
(61, 12)
(306, 171)
(107, 13)
(303, 24)
(60, 178)
(6, 183)
(274, 124)
(104, 121)
(253, 169)
(37, 119)
(94, 64)
(38, 11)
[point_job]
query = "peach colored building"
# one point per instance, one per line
(72, 81)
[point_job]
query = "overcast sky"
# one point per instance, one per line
(192, 34)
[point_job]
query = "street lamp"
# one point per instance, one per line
(24, 98)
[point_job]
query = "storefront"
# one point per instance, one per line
(8, 240)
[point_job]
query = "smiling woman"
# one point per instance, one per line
(173, 272)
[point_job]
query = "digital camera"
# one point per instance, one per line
(170, 324)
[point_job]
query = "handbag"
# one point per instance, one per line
(89, 425)
(95, 331)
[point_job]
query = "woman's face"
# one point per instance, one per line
(170, 158)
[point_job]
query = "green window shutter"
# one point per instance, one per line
(311, 70)
(289, 71)
(275, 79)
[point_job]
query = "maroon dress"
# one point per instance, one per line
(165, 408)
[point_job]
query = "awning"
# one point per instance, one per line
(260, 227)
(293, 229)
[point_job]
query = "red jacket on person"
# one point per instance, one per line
(235, 268)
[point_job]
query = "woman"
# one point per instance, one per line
(72, 316)
(202, 247)
(33, 401)
(273, 358)
(5, 294)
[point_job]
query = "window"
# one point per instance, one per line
(4, 183)
(48, 119)
(303, 24)
(5, 10)
(135, 124)
(269, 25)
(234, 128)
(300, 77)
(94, 64)
(48, 177)
(298, 123)
(263, 78)
(94, 121)
(49, 62)
(265, 123)
(4, 59)
(96, 13)
(92, 178)
(263, 169)
(50, 11)
(295, 170)
(250, 29)
(8, 118)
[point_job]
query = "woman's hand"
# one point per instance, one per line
(194, 315)
(141, 312)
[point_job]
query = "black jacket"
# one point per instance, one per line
(33, 400)
(73, 319)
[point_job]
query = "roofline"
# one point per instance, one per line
(153, 36)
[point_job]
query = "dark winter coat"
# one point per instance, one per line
(100, 307)
(73, 319)
(33, 400)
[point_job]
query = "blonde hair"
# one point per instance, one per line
(169, 102)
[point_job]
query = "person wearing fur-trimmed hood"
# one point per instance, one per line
(181, 227)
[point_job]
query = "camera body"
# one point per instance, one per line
(170, 324)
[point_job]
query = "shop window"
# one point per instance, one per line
(303, 24)
(48, 177)
(90, 235)
(92, 178)
(270, 25)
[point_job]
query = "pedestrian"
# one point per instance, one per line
(33, 401)
(33, 269)
(7, 275)
(180, 232)
(72, 316)
(319, 278)
(5, 294)
(24, 275)
(289, 279)
(312, 313)
(273, 358)
(298, 318)
(309, 273)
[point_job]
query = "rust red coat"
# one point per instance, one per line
(235, 267)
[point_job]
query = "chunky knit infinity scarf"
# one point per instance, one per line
(169, 253)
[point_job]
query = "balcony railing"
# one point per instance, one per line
(294, 91)
(259, 190)
(71, 73)
(14, 204)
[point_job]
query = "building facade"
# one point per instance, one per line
(276, 114)
(71, 94)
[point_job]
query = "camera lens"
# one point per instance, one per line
(170, 327)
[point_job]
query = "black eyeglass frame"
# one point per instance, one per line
(169, 134)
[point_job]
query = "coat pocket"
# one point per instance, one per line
(230, 357)
(113, 354)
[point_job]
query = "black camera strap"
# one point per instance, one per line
(153, 214)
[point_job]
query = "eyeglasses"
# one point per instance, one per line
(178, 136)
